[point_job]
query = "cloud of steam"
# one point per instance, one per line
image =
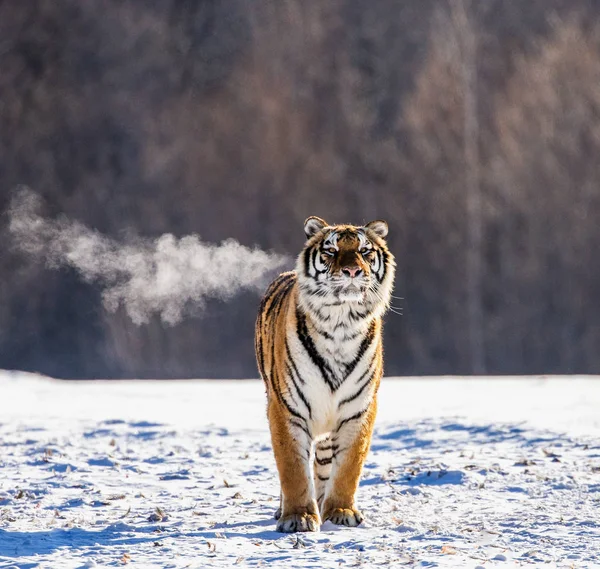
(168, 276)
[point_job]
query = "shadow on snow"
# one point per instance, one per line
(15, 544)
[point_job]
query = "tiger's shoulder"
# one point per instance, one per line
(276, 297)
(277, 289)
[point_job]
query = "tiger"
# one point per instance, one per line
(319, 351)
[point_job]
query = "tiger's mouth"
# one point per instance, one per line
(352, 293)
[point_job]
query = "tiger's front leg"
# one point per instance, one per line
(292, 448)
(352, 438)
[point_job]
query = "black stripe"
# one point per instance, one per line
(283, 400)
(369, 367)
(351, 337)
(279, 294)
(322, 478)
(301, 426)
(307, 262)
(314, 288)
(292, 397)
(309, 346)
(260, 321)
(332, 447)
(276, 389)
(314, 262)
(357, 394)
(357, 315)
(364, 345)
(323, 461)
(325, 335)
(298, 391)
(384, 263)
(353, 418)
(259, 350)
(319, 314)
(291, 360)
(274, 286)
(307, 450)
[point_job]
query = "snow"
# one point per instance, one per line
(493, 473)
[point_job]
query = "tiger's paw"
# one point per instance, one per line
(298, 522)
(350, 517)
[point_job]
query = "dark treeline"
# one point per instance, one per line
(472, 127)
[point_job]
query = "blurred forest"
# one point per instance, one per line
(472, 127)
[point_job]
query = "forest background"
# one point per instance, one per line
(472, 127)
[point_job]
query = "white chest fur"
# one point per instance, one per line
(335, 371)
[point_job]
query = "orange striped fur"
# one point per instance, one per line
(319, 351)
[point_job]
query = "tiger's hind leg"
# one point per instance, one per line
(292, 448)
(353, 438)
(322, 468)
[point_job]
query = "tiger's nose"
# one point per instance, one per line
(352, 271)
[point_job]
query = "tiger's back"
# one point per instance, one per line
(319, 351)
(275, 303)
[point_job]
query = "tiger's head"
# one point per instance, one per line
(344, 264)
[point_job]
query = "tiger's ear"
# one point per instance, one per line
(379, 227)
(313, 225)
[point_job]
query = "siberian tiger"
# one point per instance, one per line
(319, 352)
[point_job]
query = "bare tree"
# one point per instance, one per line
(466, 33)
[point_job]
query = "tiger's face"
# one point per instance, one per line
(346, 263)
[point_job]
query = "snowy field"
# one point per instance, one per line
(462, 473)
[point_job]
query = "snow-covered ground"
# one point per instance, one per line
(467, 473)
